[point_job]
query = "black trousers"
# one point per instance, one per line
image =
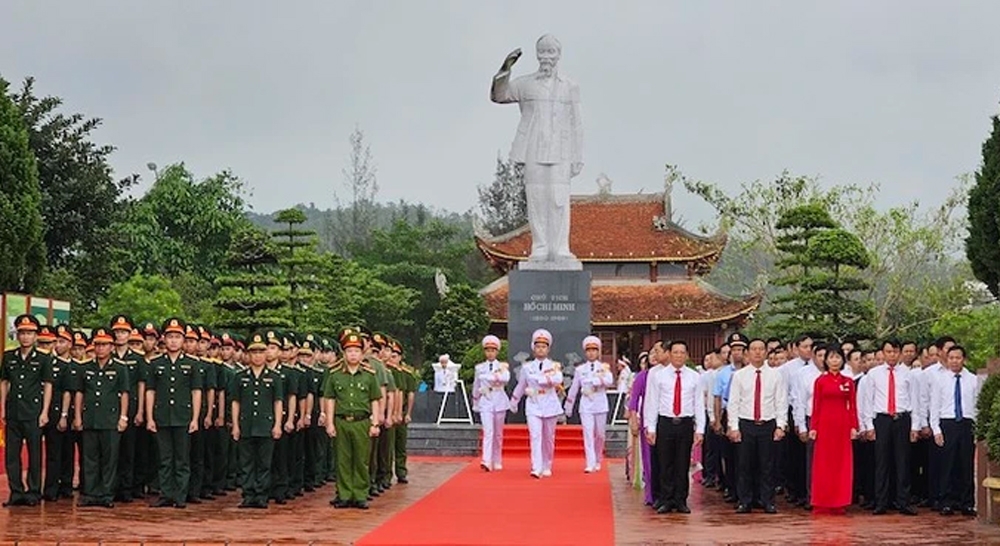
(935, 462)
(279, 468)
(807, 480)
(174, 445)
(956, 481)
(920, 487)
(795, 461)
(730, 458)
(892, 452)
(674, 438)
(147, 462)
(100, 458)
(297, 462)
(18, 434)
(197, 483)
(55, 441)
(710, 454)
(311, 469)
(220, 459)
(126, 462)
(756, 449)
(67, 463)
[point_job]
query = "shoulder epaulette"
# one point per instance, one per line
(367, 367)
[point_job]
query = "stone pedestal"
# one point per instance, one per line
(558, 301)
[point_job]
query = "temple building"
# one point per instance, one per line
(647, 275)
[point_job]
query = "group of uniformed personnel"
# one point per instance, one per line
(183, 414)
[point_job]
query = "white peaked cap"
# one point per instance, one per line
(541, 334)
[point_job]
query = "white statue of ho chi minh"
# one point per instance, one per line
(549, 143)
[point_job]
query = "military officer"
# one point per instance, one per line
(309, 350)
(330, 462)
(406, 382)
(538, 380)
(101, 412)
(79, 356)
(593, 378)
(256, 409)
(382, 470)
(279, 462)
(298, 384)
(121, 329)
(147, 454)
(46, 339)
(58, 442)
(351, 395)
(201, 462)
(217, 453)
(173, 408)
(374, 344)
(489, 392)
(25, 398)
(229, 452)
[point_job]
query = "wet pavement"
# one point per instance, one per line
(713, 521)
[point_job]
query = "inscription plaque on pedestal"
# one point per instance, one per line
(558, 301)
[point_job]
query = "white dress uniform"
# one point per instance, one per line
(538, 380)
(491, 399)
(593, 379)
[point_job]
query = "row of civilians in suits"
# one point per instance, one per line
(539, 383)
(183, 414)
(831, 426)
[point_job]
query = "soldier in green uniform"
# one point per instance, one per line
(25, 396)
(193, 349)
(257, 399)
(148, 457)
(173, 408)
(219, 439)
(59, 462)
(407, 384)
(279, 462)
(101, 412)
(309, 350)
(296, 383)
(227, 371)
(379, 470)
(329, 445)
(79, 356)
(201, 466)
(352, 396)
(121, 330)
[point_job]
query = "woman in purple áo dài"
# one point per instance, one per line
(635, 401)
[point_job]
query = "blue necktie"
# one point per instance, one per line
(958, 397)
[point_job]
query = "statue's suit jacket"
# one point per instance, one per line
(550, 131)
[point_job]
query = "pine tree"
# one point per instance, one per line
(983, 243)
(298, 259)
(504, 203)
(248, 292)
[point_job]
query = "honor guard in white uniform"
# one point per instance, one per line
(491, 399)
(538, 380)
(593, 378)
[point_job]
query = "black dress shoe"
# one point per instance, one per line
(373, 492)
(280, 501)
(361, 505)
(260, 505)
(908, 511)
(742, 509)
(403, 481)
(309, 489)
(729, 498)
(245, 504)
(947, 511)
(206, 496)
(664, 509)
(878, 511)
(193, 500)
(219, 493)
(162, 502)
(971, 512)
(770, 509)
(683, 509)
(180, 505)
(50, 498)
(107, 504)
(807, 507)
(31, 501)
(337, 503)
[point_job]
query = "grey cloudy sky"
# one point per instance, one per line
(898, 93)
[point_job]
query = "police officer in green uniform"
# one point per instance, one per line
(407, 385)
(59, 463)
(25, 397)
(351, 396)
(173, 408)
(279, 462)
(380, 448)
(101, 412)
(257, 399)
(121, 330)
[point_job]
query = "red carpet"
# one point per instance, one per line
(508, 507)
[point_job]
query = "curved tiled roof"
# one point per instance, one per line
(639, 301)
(613, 228)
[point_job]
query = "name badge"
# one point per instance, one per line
(268, 380)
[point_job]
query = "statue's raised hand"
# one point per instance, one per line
(512, 58)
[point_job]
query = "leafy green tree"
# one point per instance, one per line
(80, 199)
(358, 218)
(833, 289)
(144, 298)
(503, 204)
(458, 324)
(247, 292)
(977, 329)
(21, 245)
(983, 243)
(298, 259)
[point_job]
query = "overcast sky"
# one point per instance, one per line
(898, 93)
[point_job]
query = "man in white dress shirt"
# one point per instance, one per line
(758, 406)
(793, 445)
(674, 415)
(803, 383)
(952, 418)
(491, 399)
(538, 380)
(933, 453)
(892, 408)
(593, 378)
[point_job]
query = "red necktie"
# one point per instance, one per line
(677, 395)
(756, 398)
(892, 391)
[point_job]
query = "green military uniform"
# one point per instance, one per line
(330, 461)
(254, 395)
(383, 472)
(230, 451)
(58, 483)
(25, 377)
(298, 384)
(407, 383)
(201, 469)
(102, 388)
(147, 459)
(353, 393)
(173, 384)
(80, 339)
(134, 363)
(279, 462)
(220, 452)
(316, 440)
